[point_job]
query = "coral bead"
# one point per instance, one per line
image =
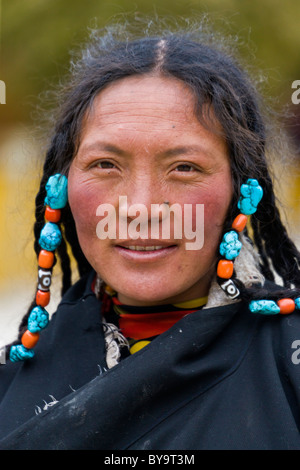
(29, 339)
(46, 259)
(286, 305)
(240, 222)
(225, 269)
(52, 215)
(42, 298)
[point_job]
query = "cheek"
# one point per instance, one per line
(215, 208)
(84, 199)
(215, 204)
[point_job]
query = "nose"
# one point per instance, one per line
(144, 189)
(144, 206)
(143, 196)
(153, 211)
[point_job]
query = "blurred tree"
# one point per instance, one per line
(38, 34)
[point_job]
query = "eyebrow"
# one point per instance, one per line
(104, 147)
(186, 150)
(172, 152)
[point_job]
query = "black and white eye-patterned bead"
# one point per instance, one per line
(44, 279)
(230, 289)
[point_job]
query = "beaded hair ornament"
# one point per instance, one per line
(50, 238)
(230, 247)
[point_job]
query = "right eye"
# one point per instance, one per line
(106, 165)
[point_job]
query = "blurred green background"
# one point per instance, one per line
(36, 37)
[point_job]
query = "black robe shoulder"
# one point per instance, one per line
(220, 378)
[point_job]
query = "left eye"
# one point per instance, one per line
(184, 167)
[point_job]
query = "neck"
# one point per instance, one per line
(195, 292)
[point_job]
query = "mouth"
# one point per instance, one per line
(144, 250)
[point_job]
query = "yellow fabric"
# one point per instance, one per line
(192, 303)
(189, 304)
(137, 346)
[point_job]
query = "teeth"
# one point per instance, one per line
(144, 248)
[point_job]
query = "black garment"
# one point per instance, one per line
(220, 378)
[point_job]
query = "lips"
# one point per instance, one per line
(145, 245)
(144, 249)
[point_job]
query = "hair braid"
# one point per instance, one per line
(273, 241)
(38, 225)
(65, 265)
(264, 261)
(83, 265)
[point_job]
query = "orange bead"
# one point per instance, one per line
(42, 298)
(29, 339)
(46, 259)
(225, 269)
(286, 305)
(52, 215)
(240, 222)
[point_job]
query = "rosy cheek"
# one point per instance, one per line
(206, 218)
(215, 210)
(83, 200)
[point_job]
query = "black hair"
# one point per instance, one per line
(219, 85)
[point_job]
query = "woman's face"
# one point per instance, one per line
(142, 144)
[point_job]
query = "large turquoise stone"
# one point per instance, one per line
(265, 307)
(38, 319)
(251, 195)
(20, 353)
(230, 246)
(50, 237)
(57, 191)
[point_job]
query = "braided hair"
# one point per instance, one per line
(221, 89)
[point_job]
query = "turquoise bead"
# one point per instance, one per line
(265, 307)
(297, 303)
(38, 319)
(20, 353)
(230, 246)
(251, 195)
(50, 237)
(57, 191)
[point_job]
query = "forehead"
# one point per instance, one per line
(160, 101)
(148, 110)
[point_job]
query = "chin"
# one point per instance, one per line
(144, 296)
